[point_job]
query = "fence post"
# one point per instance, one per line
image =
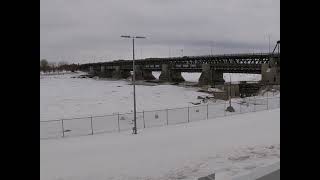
(118, 122)
(267, 101)
(188, 115)
(144, 123)
(91, 126)
(207, 111)
(62, 128)
(167, 118)
(254, 108)
(224, 110)
(240, 107)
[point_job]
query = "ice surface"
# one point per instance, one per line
(64, 97)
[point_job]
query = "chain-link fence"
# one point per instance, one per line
(146, 119)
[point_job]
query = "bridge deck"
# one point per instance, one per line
(235, 63)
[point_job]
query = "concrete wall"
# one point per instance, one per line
(225, 94)
(234, 90)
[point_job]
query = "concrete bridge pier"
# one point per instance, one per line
(120, 74)
(91, 71)
(270, 73)
(209, 76)
(142, 74)
(217, 77)
(105, 73)
(206, 75)
(170, 75)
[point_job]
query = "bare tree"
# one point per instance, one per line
(62, 65)
(44, 65)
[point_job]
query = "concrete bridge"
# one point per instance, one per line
(211, 67)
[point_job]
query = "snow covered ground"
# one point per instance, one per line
(64, 97)
(229, 146)
(148, 119)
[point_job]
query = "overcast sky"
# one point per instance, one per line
(82, 31)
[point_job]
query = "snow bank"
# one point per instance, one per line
(259, 172)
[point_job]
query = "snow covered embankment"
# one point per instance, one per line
(228, 146)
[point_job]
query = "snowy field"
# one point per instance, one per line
(229, 146)
(64, 97)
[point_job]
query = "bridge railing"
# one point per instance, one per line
(146, 119)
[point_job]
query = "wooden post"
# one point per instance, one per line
(254, 109)
(267, 101)
(188, 115)
(91, 126)
(167, 118)
(144, 123)
(207, 111)
(62, 128)
(118, 122)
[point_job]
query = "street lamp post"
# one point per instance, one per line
(134, 82)
(269, 42)
(211, 45)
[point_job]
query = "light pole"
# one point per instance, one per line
(269, 42)
(134, 82)
(211, 47)
(269, 37)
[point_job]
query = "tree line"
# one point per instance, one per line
(46, 66)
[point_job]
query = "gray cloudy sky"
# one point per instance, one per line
(80, 31)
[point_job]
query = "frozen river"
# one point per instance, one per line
(64, 97)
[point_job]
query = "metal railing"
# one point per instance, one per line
(146, 119)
